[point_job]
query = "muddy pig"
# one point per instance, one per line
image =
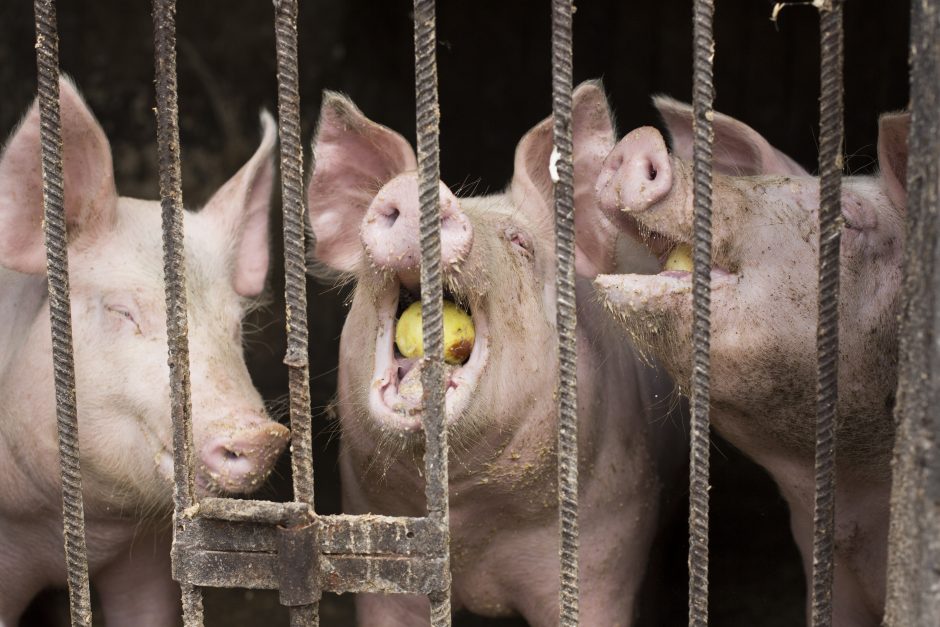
(122, 377)
(498, 260)
(763, 303)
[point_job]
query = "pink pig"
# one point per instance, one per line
(122, 387)
(763, 336)
(498, 259)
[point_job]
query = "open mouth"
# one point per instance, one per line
(396, 394)
(637, 291)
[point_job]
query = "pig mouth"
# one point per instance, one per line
(641, 292)
(395, 396)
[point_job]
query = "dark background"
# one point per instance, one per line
(494, 84)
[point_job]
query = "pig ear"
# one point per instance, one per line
(353, 158)
(90, 196)
(739, 150)
(533, 190)
(893, 131)
(241, 207)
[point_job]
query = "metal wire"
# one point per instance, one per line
(432, 377)
(171, 200)
(827, 336)
(295, 278)
(703, 96)
(566, 313)
(913, 579)
(60, 311)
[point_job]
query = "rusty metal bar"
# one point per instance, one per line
(60, 310)
(427, 114)
(703, 97)
(295, 281)
(245, 510)
(295, 289)
(566, 314)
(171, 200)
(914, 552)
(353, 553)
(827, 335)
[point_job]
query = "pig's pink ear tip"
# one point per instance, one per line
(268, 128)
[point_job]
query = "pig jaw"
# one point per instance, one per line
(396, 393)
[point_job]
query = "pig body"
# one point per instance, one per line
(764, 313)
(498, 261)
(122, 377)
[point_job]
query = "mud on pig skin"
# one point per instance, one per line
(498, 261)
(763, 304)
(122, 377)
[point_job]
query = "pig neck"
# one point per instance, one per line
(862, 501)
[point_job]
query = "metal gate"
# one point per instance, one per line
(288, 546)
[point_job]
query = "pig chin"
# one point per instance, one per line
(651, 306)
(395, 394)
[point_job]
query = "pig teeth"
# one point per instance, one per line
(679, 259)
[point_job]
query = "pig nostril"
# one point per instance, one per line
(651, 172)
(392, 216)
(229, 454)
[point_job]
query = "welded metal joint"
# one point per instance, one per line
(298, 565)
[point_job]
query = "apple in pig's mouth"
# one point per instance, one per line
(637, 292)
(396, 393)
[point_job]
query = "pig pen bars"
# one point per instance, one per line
(287, 546)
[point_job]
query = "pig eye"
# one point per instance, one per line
(520, 241)
(124, 314)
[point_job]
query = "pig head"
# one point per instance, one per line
(120, 348)
(497, 255)
(764, 313)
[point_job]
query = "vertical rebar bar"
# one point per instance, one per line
(60, 310)
(295, 277)
(827, 335)
(427, 113)
(914, 550)
(703, 97)
(566, 313)
(171, 201)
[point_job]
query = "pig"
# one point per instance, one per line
(764, 313)
(122, 376)
(498, 264)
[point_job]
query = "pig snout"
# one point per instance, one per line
(390, 228)
(237, 459)
(636, 174)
